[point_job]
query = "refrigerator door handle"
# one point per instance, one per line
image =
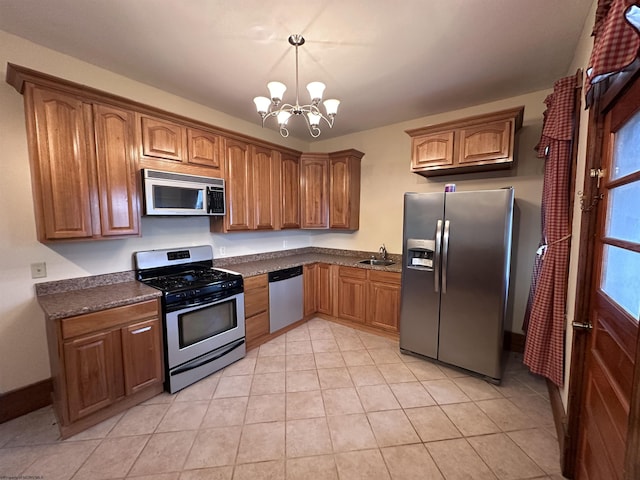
(445, 255)
(436, 260)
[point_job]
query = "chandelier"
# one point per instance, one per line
(310, 112)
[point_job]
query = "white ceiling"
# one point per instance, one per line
(386, 60)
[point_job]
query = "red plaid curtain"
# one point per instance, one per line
(544, 318)
(616, 40)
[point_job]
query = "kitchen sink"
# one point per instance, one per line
(375, 261)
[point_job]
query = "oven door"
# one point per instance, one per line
(199, 329)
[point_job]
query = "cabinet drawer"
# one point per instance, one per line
(352, 272)
(384, 277)
(256, 301)
(257, 326)
(93, 322)
(255, 282)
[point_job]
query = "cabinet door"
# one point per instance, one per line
(383, 305)
(266, 188)
(290, 196)
(116, 169)
(310, 278)
(352, 294)
(92, 364)
(314, 203)
(142, 355)
(204, 148)
(485, 143)
(256, 327)
(325, 289)
(432, 150)
(344, 192)
(60, 163)
(238, 188)
(162, 139)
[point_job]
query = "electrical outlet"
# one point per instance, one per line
(222, 251)
(38, 270)
(284, 244)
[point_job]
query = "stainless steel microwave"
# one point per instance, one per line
(169, 193)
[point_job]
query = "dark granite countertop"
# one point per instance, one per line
(250, 265)
(69, 303)
(76, 296)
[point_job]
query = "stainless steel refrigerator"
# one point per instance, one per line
(455, 277)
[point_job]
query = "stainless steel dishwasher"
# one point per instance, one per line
(286, 298)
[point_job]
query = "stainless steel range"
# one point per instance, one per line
(203, 311)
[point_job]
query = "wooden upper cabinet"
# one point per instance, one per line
(266, 188)
(205, 148)
(60, 144)
(290, 191)
(162, 139)
(116, 169)
(484, 142)
(314, 179)
(431, 150)
(344, 189)
(239, 189)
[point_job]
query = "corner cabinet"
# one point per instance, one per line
(82, 167)
(104, 362)
(481, 143)
(330, 190)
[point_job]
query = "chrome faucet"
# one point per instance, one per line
(383, 252)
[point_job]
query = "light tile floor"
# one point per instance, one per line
(322, 402)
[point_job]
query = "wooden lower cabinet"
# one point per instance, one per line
(364, 297)
(104, 362)
(310, 281)
(352, 294)
(383, 302)
(256, 309)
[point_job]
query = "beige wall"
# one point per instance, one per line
(385, 177)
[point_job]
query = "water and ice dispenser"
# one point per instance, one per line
(420, 253)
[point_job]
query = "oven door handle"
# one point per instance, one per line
(208, 358)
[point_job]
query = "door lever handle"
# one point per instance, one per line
(587, 326)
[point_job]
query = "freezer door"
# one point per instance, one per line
(475, 277)
(420, 295)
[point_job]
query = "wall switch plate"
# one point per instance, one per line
(222, 251)
(38, 270)
(284, 244)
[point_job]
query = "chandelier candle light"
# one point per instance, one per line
(311, 113)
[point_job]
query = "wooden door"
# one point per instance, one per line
(92, 364)
(203, 148)
(290, 195)
(116, 171)
(162, 139)
(266, 188)
(314, 204)
(325, 289)
(383, 304)
(60, 163)
(609, 437)
(310, 278)
(238, 189)
(142, 355)
(352, 293)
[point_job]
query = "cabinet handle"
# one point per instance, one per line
(141, 330)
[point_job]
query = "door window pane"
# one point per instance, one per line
(620, 278)
(623, 218)
(626, 149)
